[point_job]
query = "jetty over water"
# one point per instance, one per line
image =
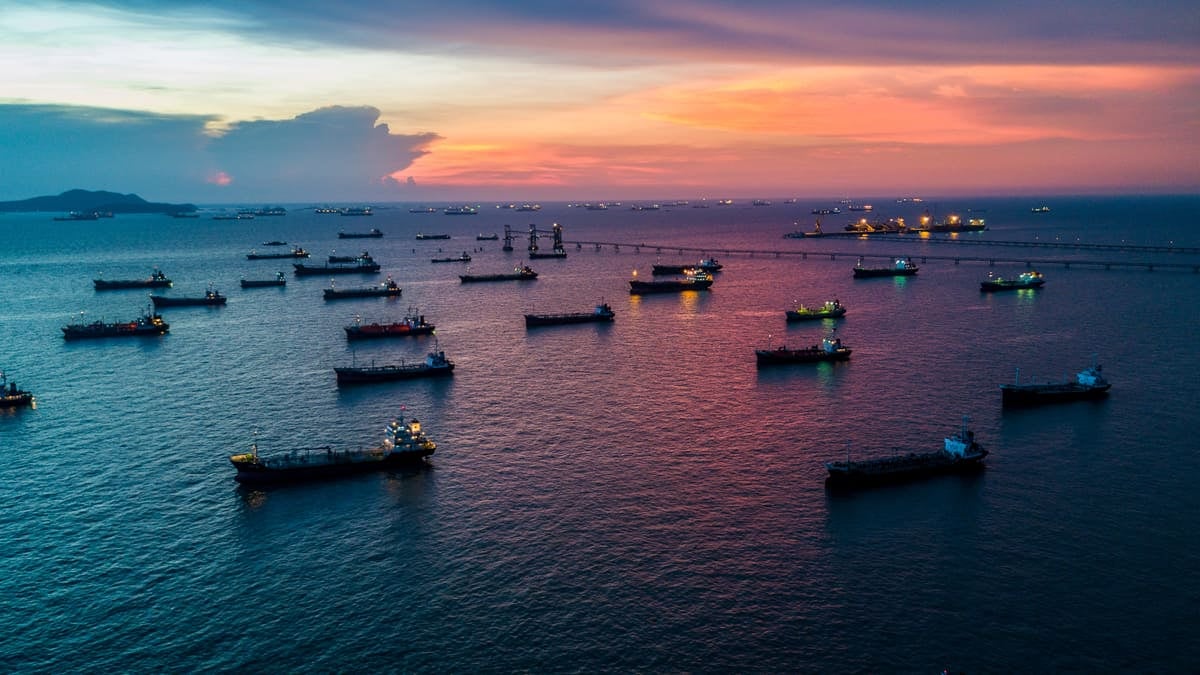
(973, 256)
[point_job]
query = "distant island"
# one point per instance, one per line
(95, 201)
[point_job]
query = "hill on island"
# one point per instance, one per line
(88, 201)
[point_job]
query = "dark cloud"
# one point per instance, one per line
(332, 152)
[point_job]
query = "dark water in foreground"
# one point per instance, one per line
(632, 497)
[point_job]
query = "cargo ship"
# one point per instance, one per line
(297, 252)
(1030, 279)
(363, 266)
(901, 267)
(697, 280)
(147, 324)
(519, 273)
(832, 309)
(373, 233)
(435, 365)
(404, 444)
(960, 453)
(387, 289)
(279, 280)
(830, 349)
(706, 265)
(1089, 383)
(602, 313)
(413, 324)
(155, 280)
(458, 258)
(210, 298)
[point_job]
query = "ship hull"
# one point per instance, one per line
(274, 256)
(86, 333)
(250, 473)
(398, 331)
(102, 285)
(368, 375)
(778, 357)
(360, 235)
(993, 286)
(309, 270)
(869, 272)
(1035, 395)
(19, 400)
(793, 315)
(339, 295)
(683, 269)
(900, 470)
(468, 278)
(541, 256)
(533, 320)
(163, 301)
(648, 287)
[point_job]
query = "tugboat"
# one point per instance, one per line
(387, 289)
(296, 252)
(403, 445)
(602, 313)
(1031, 279)
(519, 273)
(696, 280)
(706, 265)
(373, 233)
(279, 280)
(436, 365)
(461, 258)
(902, 267)
(413, 324)
(363, 266)
(156, 280)
(11, 397)
(210, 297)
(832, 309)
(1088, 384)
(830, 349)
(149, 323)
(960, 453)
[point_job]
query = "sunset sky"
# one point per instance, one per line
(307, 100)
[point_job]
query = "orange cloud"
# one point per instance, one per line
(219, 178)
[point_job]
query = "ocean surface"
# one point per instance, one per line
(633, 497)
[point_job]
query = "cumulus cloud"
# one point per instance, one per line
(330, 153)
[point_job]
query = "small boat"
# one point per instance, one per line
(147, 324)
(460, 258)
(373, 233)
(296, 252)
(425, 237)
(435, 365)
(696, 280)
(387, 289)
(602, 313)
(830, 349)
(959, 453)
(832, 309)
(275, 242)
(519, 273)
(210, 298)
(1030, 279)
(364, 266)
(359, 211)
(279, 280)
(706, 265)
(1089, 383)
(404, 444)
(156, 280)
(902, 267)
(411, 325)
(1040, 209)
(460, 211)
(487, 237)
(11, 396)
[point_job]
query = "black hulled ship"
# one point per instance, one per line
(519, 273)
(13, 397)
(900, 267)
(155, 280)
(362, 266)
(830, 349)
(706, 265)
(210, 298)
(279, 280)
(960, 453)
(1089, 383)
(147, 324)
(1030, 279)
(435, 365)
(696, 280)
(296, 252)
(602, 313)
(404, 444)
(387, 289)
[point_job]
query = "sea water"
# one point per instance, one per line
(634, 496)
